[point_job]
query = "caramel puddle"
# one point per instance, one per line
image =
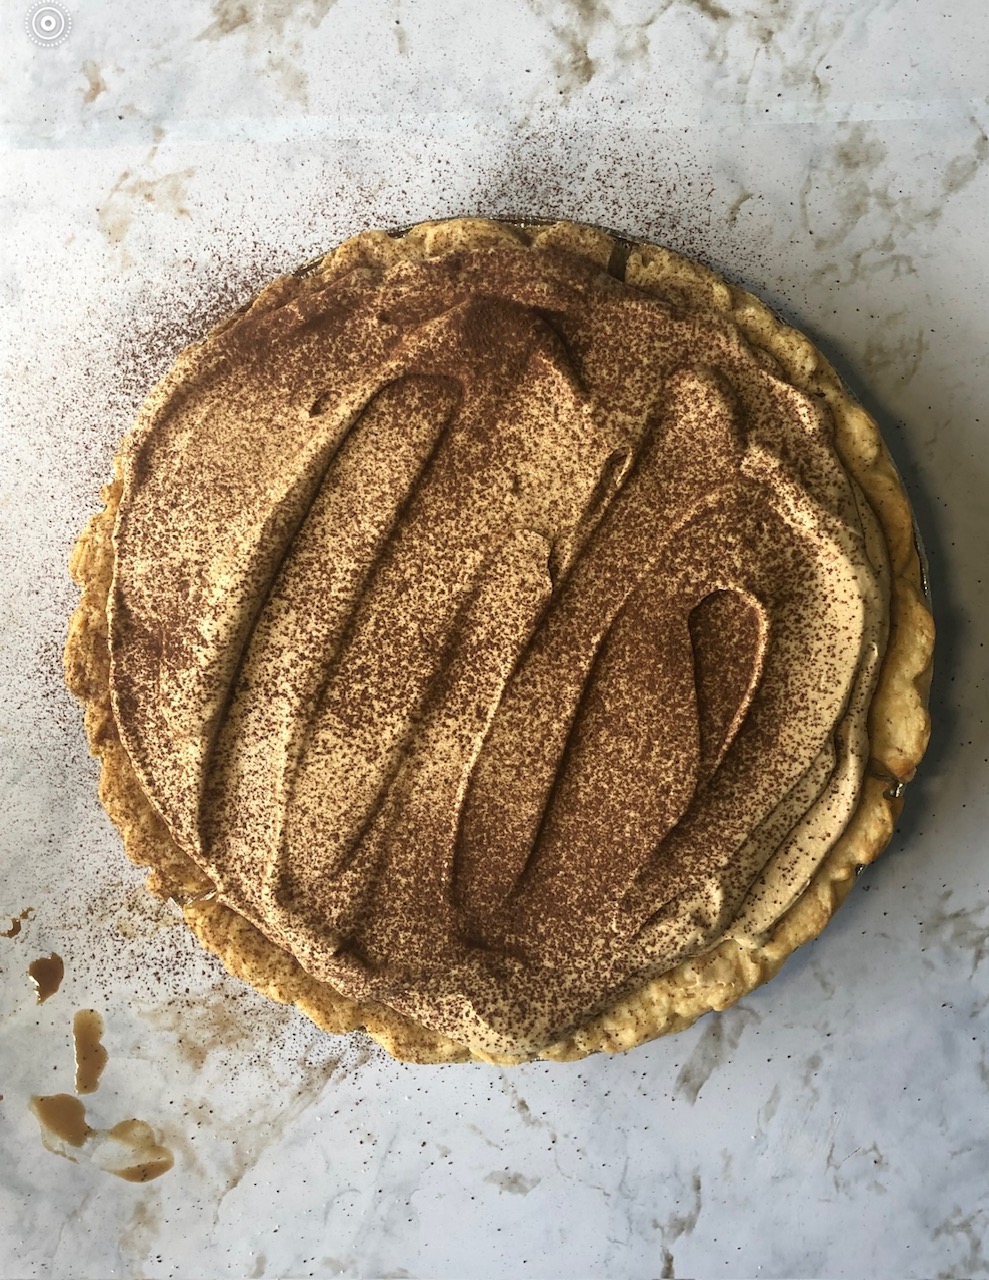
(46, 973)
(130, 1150)
(91, 1057)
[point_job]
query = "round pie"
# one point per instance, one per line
(506, 638)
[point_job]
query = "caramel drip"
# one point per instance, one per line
(129, 1150)
(484, 628)
(16, 922)
(46, 973)
(148, 1159)
(90, 1055)
(62, 1117)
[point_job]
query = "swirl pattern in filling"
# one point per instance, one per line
(495, 634)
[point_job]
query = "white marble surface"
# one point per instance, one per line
(159, 163)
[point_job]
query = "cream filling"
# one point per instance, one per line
(494, 635)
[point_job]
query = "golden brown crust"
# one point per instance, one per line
(898, 724)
